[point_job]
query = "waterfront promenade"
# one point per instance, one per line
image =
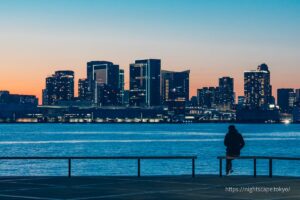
(163, 187)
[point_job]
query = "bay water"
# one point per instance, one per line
(202, 140)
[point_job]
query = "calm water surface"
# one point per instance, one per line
(203, 140)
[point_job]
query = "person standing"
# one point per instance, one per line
(234, 142)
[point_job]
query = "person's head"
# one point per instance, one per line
(232, 129)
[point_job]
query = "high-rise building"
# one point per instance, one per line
(126, 97)
(175, 90)
(257, 88)
(59, 87)
(292, 99)
(208, 97)
(226, 93)
(241, 101)
(296, 112)
(145, 83)
(83, 90)
(283, 99)
(103, 77)
(49, 96)
(45, 99)
(193, 101)
(175, 85)
(107, 95)
(121, 87)
(297, 95)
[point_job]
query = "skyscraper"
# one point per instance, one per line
(59, 87)
(83, 90)
(145, 83)
(257, 88)
(175, 85)
(208, 97)
(296, 113)
(292, 99)
(298, 95)
(241, 101)
(283, 96)
(226, 93)
(175, 90)
(103, 77)
(121, 87)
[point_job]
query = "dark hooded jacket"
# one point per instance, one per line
(234, 142)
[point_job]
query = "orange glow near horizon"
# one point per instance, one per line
(32, 81)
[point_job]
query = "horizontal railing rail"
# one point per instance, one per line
(255, 158)
(138, 158)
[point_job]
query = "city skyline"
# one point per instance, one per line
(76, 81)
(210, 38)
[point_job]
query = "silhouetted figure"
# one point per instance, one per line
(234, 142)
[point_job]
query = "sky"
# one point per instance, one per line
(212, 38)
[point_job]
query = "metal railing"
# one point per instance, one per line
(255, 158)
(138, 158)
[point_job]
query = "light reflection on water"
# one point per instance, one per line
(203, 140)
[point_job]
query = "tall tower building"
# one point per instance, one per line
(298, 95)
(175, 85)
(49, 93)
(121, 87)
(241, 101)
(145, 83)
(83, 90)
(59, 87)
(226, 93)
(257, 88)
(283, 98)
(208, 97)
(175, 90)
(103, 81)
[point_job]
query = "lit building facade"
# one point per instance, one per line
(175, 90)
(296, 113)
(226, 93)
(297, 95)
(241, 101)
(103, 82)
(145, 83)
(257, 88)
(121, 98)
(286, 97)
(59, 87)
(175, 85)
(83, 90)
(208, 97)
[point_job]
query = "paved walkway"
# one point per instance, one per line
(133, 188)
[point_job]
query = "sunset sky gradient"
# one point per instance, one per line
(212, 38)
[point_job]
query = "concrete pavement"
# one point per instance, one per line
(173, 187)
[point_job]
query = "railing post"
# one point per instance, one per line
(69, 167)
(270, 168)
(254, 162)
(193, 167)
(139, 167)
(220, 160)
